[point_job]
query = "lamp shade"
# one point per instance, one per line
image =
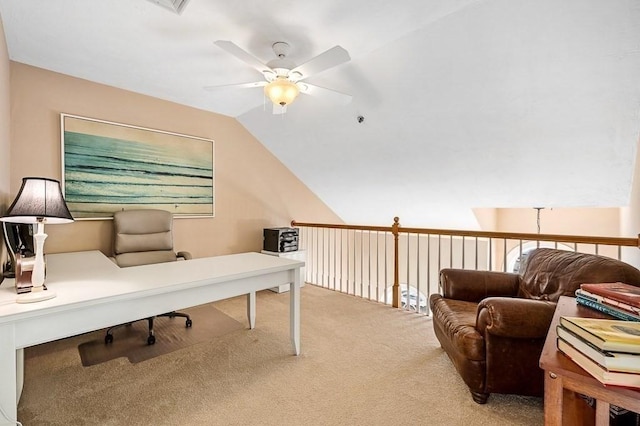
(281, 91)
(39, 200)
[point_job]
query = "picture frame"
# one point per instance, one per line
(108, 167)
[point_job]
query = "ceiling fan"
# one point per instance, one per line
(283, 80)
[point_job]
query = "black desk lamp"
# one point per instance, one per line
(39, 201)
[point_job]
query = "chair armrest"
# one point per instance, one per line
(514, 317)
(473, 286)
(184, 254)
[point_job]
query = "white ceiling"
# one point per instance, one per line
(467, 103)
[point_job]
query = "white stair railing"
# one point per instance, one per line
(400, 266)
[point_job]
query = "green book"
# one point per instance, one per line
(611, 361)
(606, 334)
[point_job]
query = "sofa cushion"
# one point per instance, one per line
(549, 274)
(458, 320)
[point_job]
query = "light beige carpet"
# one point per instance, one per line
(362, 363)
(171, 335)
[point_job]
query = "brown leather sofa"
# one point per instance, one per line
(492, 325)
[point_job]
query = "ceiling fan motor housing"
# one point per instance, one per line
(281, 65)
(280, 48)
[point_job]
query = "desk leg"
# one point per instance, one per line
(8, 373)
(553, 394)
(294, 311)
(251, 309)
(19, 372)
(602, 413)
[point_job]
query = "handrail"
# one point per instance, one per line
(396, 230)
(338, 226)
(576, 239)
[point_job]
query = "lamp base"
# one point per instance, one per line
(36, 296)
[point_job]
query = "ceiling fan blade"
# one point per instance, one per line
(331, 58)
(243, 55)
(328, 94)
(237, 86)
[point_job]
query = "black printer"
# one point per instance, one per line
(280, 240)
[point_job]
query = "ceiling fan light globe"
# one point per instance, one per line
(281, 91)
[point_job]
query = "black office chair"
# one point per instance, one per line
(143, 237)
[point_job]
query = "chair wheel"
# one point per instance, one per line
(188, 323)
(151, 340)
(108, 338)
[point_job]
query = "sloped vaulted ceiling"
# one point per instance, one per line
(495, 103)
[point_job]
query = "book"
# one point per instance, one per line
(612, 361)
(604, 376)
(608, 301)
(618, 291)
(610, 310)
(606, 334)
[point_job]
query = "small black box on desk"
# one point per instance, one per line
(280, 240)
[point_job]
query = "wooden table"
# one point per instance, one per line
(564, 378)
(93, 293)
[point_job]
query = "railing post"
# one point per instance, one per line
(396, 263)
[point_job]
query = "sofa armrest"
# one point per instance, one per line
(514, 317)
(473, 286)
(184, 254)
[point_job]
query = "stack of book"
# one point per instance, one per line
(609, 350)
(616, 299)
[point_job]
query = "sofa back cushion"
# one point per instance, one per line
(548, 273)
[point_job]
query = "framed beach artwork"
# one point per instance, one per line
(107, 167)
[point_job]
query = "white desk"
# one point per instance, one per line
(93, 293)
(300, 255)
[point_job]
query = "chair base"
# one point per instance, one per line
(151, 338)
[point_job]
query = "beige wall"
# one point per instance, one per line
(5, 138)
(5, 119)
(253, 189)
(603, 222)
